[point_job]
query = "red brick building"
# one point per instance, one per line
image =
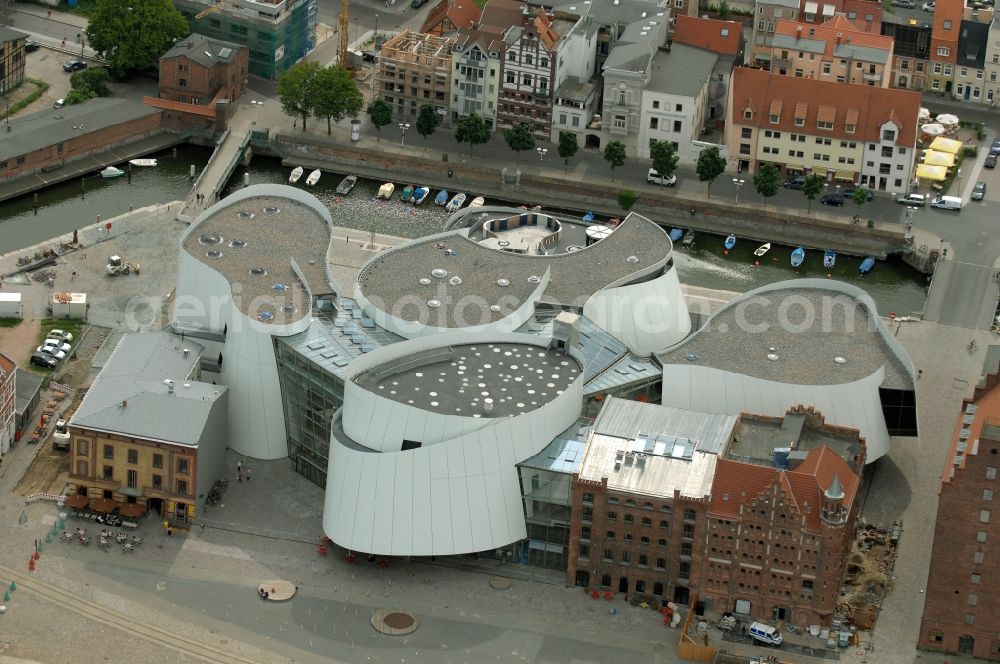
(962, 606)
(8, 385)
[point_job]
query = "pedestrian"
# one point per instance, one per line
(74, 274)
(50, 13)
(920, 372)
(240, 474)
(239, 466)
(170, 531)
(248, 474)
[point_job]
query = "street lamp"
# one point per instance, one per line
(739, 183)
(256, 109)
(960, 183)
(375, 40)
(541, 154)
(403, 126)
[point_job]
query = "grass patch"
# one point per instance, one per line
(72, 325)
(40, 88)
(10, 322)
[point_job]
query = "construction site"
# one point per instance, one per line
(415, 69)
(868, 577)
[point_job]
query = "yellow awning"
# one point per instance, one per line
(929, 172)
(942, 144)
(820, 171)
(794, 167)
(844, 175)
(935, 158)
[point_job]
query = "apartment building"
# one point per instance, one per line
(848, 133)
(911, 40)
(865, 15)
(970, 65)
(415, 69)
(8, 409)
(477, 60)
(992, 64)
(449, 16)
(766, 16)
(945, 33)
(962, 608)
(832, 51)
(12, 58)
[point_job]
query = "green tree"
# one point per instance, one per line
(95, 80)
(710, 166)
(567, 147)
(79, 95)
(812, 187)
(428, 120)
(859, 198)
(766, 181)
(132, 35)
(380, 113)
(296, 89)
(473, 130)
(519, 138)
(335, 96)
(614, 154)
(626, 199)
(664, 158)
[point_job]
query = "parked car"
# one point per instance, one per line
(918, 200)
(417, 4)
(849, 194)
(991, 161)
(369, 56)
(32, 46)
(979, 191)
(995, 148)
(74, 65)
(59, 103)
(796, 182)
(58, 345)
(51, 352)
(928, 7)
(905, 4)
(43, 360)
(655, 178)
(833, 199)
(61, 335)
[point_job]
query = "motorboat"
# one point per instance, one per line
(313, 177)
(762, 249)
(829, 259)
(478, 201)
(588, 217)
(420, 195)
(143, 162)
(456, 202)
(346, 185)
(407, 193)
(296, 175)
(112, 172)
(798, 256)
(730, 242)
(385, 191)
(676, 234)
(867, 265)
(441, 198)
(688, 239)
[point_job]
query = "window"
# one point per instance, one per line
(690, 515)
(629, 518)
(987, 494)
(937, 68)
(677, 125)
(775, 118)
(936, 636)
(991, 473)
(748, 114)
(970, 618)
(849, 128)
(609, 554)
(824, 125)
(157, 481)
(661, 563)
(610, 535)
(182, 487)
(647, 522)
(82, 447)
(654, 123)
(612, 516)
(947, 24)
(886, 150)
(587, 515)
(661, 542)
(512, 56)
(182, 82)
(745, 148)
(978, 557)
(133, 479)
(888, 135)
(656, 104)
(686, 549)
(807, 585)
(981, 537)
(109, 472)
(984, 516)
(81, 467)
(526, 79)
(182, 466)
(528, 59)
(133, 456)
(644, 541)
(800, 122)
(746, 132)
(544, 62)
(679, 108)
(973, 599)
(157, 461)
(584, 551)
(975, 579)
(625, 556)
(688, 531)
(510, 78)
(619, 122)
(684, 571)
(664, 524)
(576, 120)
(585, 533)
(943, 51)
(109, 452)
(588, 498)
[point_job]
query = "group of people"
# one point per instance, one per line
(242, 472)
(263, 594)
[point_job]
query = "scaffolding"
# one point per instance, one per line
(415, 69)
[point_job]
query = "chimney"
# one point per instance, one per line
(798, 32)
(840, 36)
(124, 403)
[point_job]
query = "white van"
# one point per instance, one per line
(653, 177)
(947, 203)
(765, 634)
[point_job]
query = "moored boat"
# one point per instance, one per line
(346, 185)
(441, 198)
(112, 172)
(588, 217)
(313, 177)
(456, 202)
(676, 234)
(478, 201)
(420, 195)
(295, 175)
(143, 162)
(407, 193)
(798, 256)
(385, 191)
(730, 242)
(829, 259)
(866, 265)
(762, 249)
(688, 238)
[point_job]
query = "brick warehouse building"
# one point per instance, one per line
(962, 605)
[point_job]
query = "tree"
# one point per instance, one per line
(79, 95)
(710, 166)
(519, 138)
(664, 158)
(95, 80)
(133, 35)
(626, 199)
(859, 198)
(296, 89)
(614, 154)
(380, 113)
(766, 181)
(567, 147)
(335, 96)
(428, 120)
(812, 187)
(473, 130)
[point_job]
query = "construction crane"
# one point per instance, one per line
(343, 27)
(219, 6)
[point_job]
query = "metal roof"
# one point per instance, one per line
(129, 396)
(628, 370)
(26, 386)
(565, 453)
(203, 50)
(683, 71)
(644, 422)
(8, 34)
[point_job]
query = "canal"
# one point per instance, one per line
(61, 208)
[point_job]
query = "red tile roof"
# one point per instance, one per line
(950, 11)
(736, 483)
(754, 89)
(461, 13)
(838, 29)
(500, 15)
(722, 37)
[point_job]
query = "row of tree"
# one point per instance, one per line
(767, 182)
(309, 89)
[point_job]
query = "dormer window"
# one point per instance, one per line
(888, 134)
(944, 51)
(849, 128)
(800, 122)
(748, 114)
(775, 118)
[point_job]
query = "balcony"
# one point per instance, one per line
(875, 78)
(777, 63)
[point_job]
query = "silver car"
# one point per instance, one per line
(51, 352)
(58, 345)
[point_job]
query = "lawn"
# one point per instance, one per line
(71, 325)
(10, 322)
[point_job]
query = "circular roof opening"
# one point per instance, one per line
(573, 248)
(288, 309)
(503, 243)
(258, 271)
(439, 273)
(210, 238)
(424, 281)
(280, 287)
(503, 283)
(270, 209)
(632, 259)
(456, 280)
(840, 360)
(265, 315)
(433, 304)
(214, 253)
(245, 214)
(534, 279)
(237, 244)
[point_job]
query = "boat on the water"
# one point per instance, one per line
(688, 238)
(829, 259)
(143, 162)
(420, 195)
(296, 175)
(762, 249)
(866, 265)
(112, 172)
(441, 198)
(385, 191)
(346, 185)
(798, 256)
(676, 234)
(456, 202)
(478, 201)
(730, 242)
(407, 193)
(313, 177)
(588, 217)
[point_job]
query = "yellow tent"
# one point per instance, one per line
(929, 172)
(942, 144)
(935, 158)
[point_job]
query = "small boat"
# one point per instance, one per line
(456, 202)
(829, 259)
(296, 175)
(676, 234)
(313, 177)
(866, 265)
(688, 238)
(420, 195)
(143, 162)
(478, 201)
(588, 217)
(762, 249)
(441, 198)
(347, 184)
(798, 256)
(407, 193)
(112, 172)
(385, 191)
(730, 242)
